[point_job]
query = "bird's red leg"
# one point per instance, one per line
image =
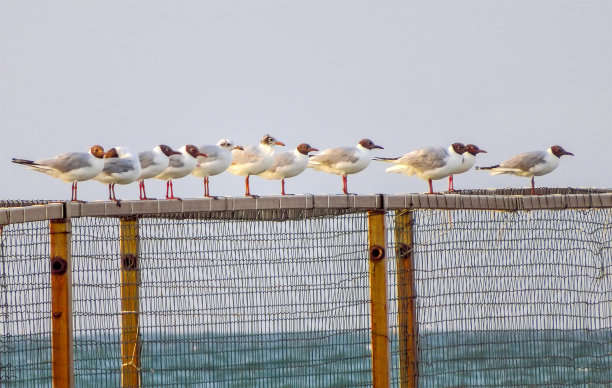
(430, 187)
(110, 197)
(344, 184)
(171, 190)
(283, 186)
(73, 193)
(205, 186)
(532, 185)
(248, 189)
(144, 190)
(143, 193)
(451, 184)
(168, 189)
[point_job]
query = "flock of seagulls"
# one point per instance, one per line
(119, 165)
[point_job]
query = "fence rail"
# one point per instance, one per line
(483, 288)
(295, 205)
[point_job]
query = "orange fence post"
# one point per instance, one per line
(61, 304)
(407, 325)
(130, 303)
(377, 236)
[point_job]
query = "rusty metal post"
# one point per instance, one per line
(130, 303)
(381, 355)
(407, 325)
(61, 304)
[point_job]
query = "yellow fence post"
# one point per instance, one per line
(407, 325)
(130, 303)
(61, 304)
(378, 299)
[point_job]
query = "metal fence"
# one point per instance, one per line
(460, 290)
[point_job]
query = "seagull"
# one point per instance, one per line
(179, 165)
(530, 164)
(468, 161)
(153, 163)
(429, 163)
(218, 159)
(344, 160)
(254, 160)
(288, 164)
(120, 166)
(70, 167)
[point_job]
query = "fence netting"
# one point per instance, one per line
(510, 298)
(25, 305)
(282, 300)
(228, 303)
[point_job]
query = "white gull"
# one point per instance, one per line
(70, 167)
(530, 164)
(218, 159)
(120, 166)
(179, 166)
(288, 164)
(254, 160)
(344, 160)
(153, 163)
(468, 161)
(430, 163)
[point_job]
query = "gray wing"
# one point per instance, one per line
(146, 158)
(67, 162)
(176, 161)
(281, 160)
(211, 151)
(334, 156)
(117, 166)
(525, 161)
(425, 159)
(246, 156)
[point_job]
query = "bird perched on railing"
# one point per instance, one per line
(530, 164)
(120, 166)
(253, 160)
(344, 160)
(153, 163)
(288, 164)
(218, 159)
(468, 161)
(179, 166)
(430, 163)
(70, 167)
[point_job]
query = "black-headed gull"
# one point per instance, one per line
(153, 163)
(253, 160)
(70, 167)
(530, 164)
(120, 166)
(430, 163)
(288, 164)
(218, 159)
(179, 166)
(344, 160)
(468, 161)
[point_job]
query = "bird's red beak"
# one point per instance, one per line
(280, 143)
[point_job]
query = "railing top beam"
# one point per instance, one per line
(322, 203)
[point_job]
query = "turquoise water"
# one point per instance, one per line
(324, 359)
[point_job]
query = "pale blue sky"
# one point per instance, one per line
(509, 76)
